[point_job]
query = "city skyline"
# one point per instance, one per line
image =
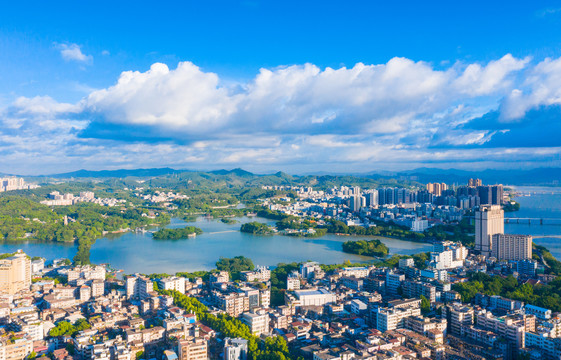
(384, 88)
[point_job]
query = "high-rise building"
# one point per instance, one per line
(484, 193)
(382, 197)
(371, 198)
(489, 220)
(490, 194)
(436, 188)
(355, 203)
(15, 273)
(511, 247)
(475, 182)
(497, 194)
(390, 196)
(402, 196)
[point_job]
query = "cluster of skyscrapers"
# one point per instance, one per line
(464, 197)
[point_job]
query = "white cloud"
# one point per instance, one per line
(185, 98)
(187, 101)
(542, 86)
(293, 117)
(73, 52)
(483, 80)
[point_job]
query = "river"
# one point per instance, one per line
(139, 252)
(538, 202)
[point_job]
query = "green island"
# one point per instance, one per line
(176, 234)
(374, 248)
(511, 206)
(257, 228)
(228, 221)
(23, 219)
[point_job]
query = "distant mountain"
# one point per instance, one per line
(238, 172)
(121, 173)
(539, 176)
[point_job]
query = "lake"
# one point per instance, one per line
(139, 252)
(134, 252)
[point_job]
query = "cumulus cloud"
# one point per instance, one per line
(542, 86)
(73, 52)
(185, 98)
(186, 102)
(482, 80)
(296, 117)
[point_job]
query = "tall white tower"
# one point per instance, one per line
(489, 220)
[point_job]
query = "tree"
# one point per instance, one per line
(425, 305)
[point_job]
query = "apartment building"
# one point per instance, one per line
(15, 273)
(193, 349)
(235, 349)
(172, 283)
(512, 247)
(139, 287)
(257, 322)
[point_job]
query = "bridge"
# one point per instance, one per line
(541, 221)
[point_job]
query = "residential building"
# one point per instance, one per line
(235, 349)
(257, 322)
(511, 247)
(193, 349)
(139, 287)
(176, 283)
(15, 273)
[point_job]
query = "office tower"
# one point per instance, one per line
(497, 194)
(15, 273)
(512, 247)
(489, 220)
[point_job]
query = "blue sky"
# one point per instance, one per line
(266, 85)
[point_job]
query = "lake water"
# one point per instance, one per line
(539, 202)
(136, 252)
(140, 253)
